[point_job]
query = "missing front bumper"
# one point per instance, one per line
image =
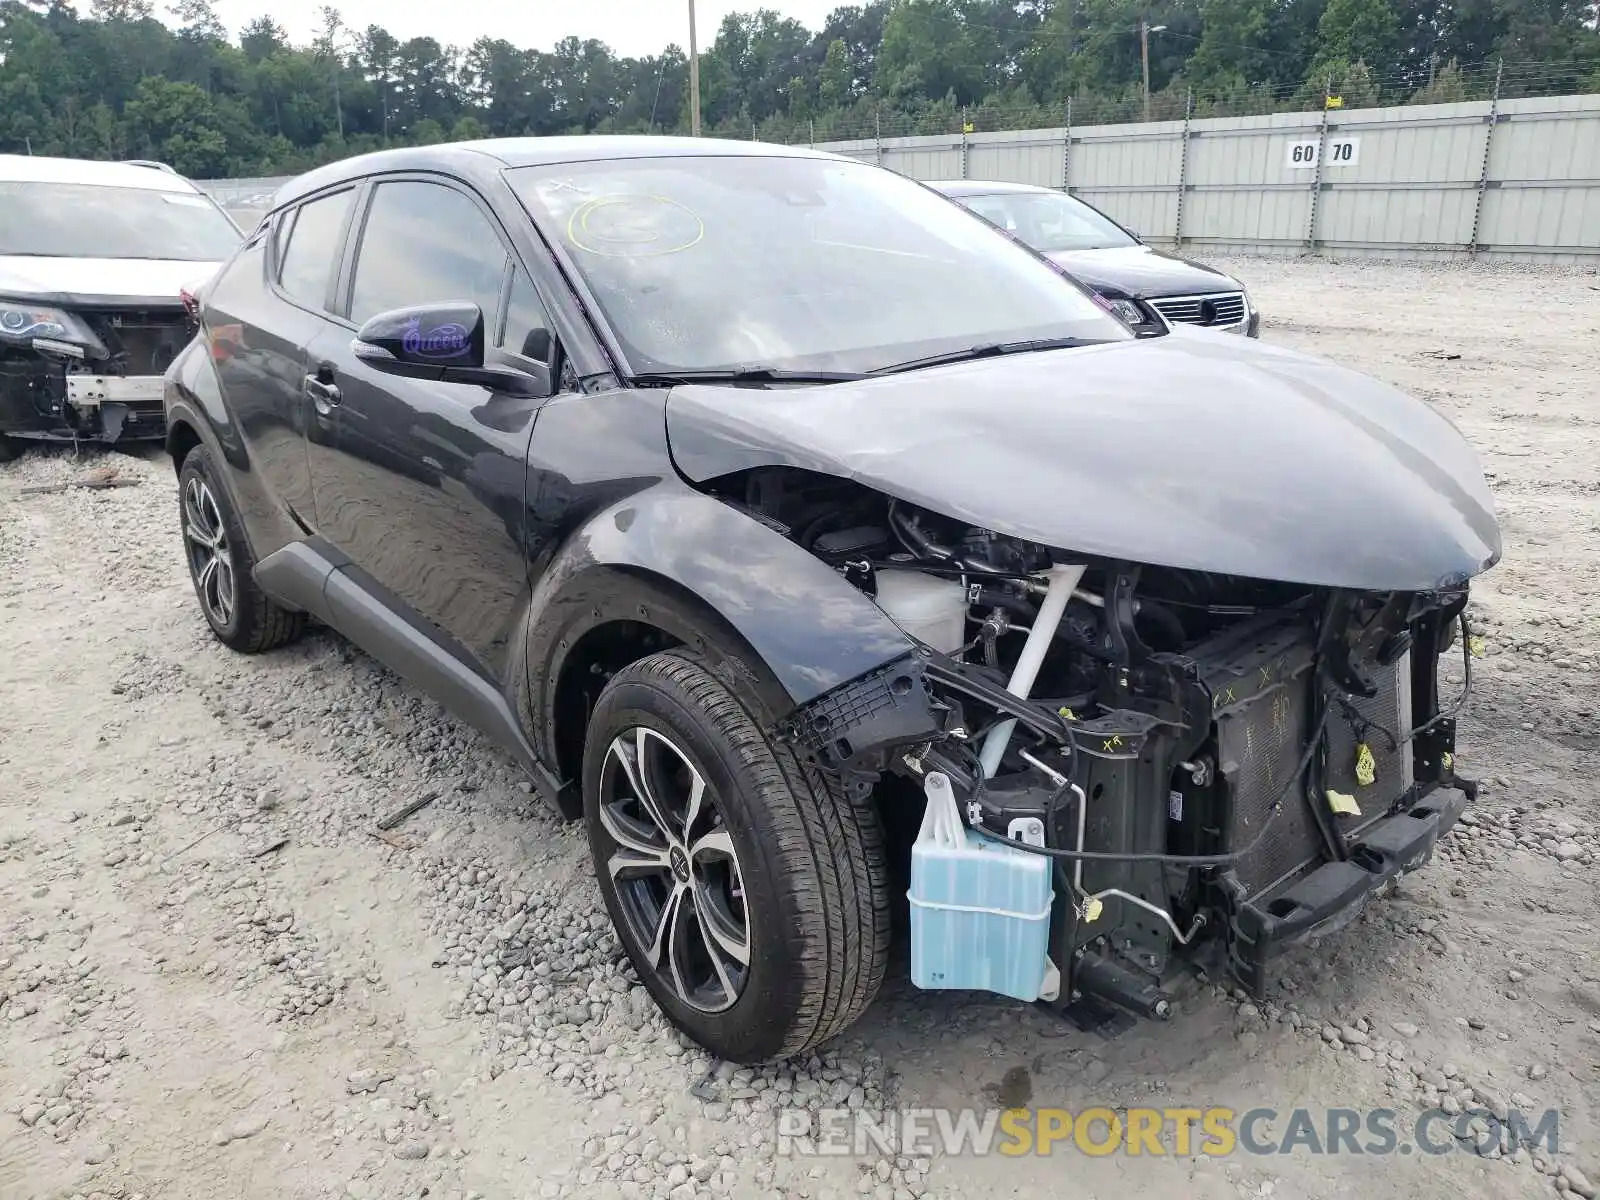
(1330, 896)
(83, 408)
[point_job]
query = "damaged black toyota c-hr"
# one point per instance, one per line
(750, 495)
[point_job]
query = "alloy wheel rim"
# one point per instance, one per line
(210, 557)
(676, 873)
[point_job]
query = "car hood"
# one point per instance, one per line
(100, 282)
(1142, 272)
(1188, 451)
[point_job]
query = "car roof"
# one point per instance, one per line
(39, 168)
(530, 152)
(985, 187)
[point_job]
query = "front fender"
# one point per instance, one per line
(702, 571)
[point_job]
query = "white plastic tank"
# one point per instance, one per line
(926, 607)
(980, 910)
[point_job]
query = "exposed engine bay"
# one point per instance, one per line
(86, 374)
(1217, 766)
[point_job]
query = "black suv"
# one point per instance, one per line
(744, 494)
(1148, 288)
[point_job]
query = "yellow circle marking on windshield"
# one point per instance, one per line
(582, 235)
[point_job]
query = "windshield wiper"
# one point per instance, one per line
(746, 375)
(985, 350)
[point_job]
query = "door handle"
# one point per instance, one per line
(324, 395)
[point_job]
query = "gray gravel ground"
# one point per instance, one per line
(217, 980)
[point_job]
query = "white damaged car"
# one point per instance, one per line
(98, 262)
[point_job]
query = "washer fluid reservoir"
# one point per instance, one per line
(926, 607)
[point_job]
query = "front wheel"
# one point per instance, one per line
(749, 892)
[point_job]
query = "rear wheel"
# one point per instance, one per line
(9, 448)
(749, 893)
(221, 566)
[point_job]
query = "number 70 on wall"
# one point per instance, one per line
(1341, 152)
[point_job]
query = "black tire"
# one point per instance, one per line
(251, 623)
(814, 880)
(10, 448)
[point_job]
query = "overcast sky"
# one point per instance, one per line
(632, 28)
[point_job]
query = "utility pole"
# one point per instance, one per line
(694, 77)
(1144, 57)
(1145, 30)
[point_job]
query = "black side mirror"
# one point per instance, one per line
(441, 342)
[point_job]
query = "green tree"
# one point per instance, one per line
(834, 80)
(1365, 31)
(1292, 38)
(929, 50)
(261, 38)
(1234, 48)
(198, 21)
(860, 28)
(176, 123)
(427, 132)
(1447, 87)
(1354, 84)
(125, 12)
(379, 56)
(1553, 31)
(752, 62)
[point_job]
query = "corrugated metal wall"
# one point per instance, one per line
(1516, 179)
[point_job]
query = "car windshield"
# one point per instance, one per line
(800, 264)
(78, 220)
(1050, 222)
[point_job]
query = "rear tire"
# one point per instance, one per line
(762, 929)
(221, 567)
(10, 448)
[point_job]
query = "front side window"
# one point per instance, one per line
(308, 248)
(80, 220)
(425, 243)
(527, 329)
(717, 263)
(1050, 222)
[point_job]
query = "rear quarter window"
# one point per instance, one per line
(309, 240)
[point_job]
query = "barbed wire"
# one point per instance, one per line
(1351, 88)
